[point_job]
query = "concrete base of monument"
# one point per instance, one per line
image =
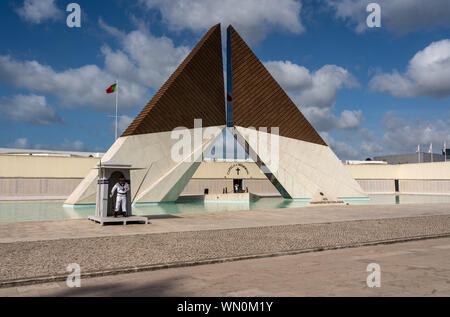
(231, 197)
(123, 220)
(321, 198)
(327, 203)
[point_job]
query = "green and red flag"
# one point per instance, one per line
(111, 89)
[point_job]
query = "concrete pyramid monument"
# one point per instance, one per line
(305, 165)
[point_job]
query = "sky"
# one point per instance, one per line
(368, 91)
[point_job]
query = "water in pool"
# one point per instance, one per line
(39, 211)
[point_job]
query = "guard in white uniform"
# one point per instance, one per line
(122, 189)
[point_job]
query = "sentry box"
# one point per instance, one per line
(108, 175)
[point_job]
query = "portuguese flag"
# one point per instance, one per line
(111, 89)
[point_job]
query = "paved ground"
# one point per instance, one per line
(33, 259)
(419, 268)
(67, 229)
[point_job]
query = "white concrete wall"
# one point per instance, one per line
(29, 166)
(217, 170)
(27, 188)
(41, 177)
(215, 186)
(423, 178)
(377, 186)
(435, 187)
(424, 171)
(261, 187)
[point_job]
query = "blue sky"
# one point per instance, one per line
(368, 91)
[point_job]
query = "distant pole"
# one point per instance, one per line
(418, 153)
(431, 151)
(117, 97)
(445, 151)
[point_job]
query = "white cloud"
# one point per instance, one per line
(21, 143)
(350, 119)
(428, 74)
(291, 76)
(144, 58)
(326, 82)
(343, 150)
(371, 145)
(84, 86)
(398, 16)
(68, 145)
(399, 135)
(316, 93)
(122, 123)
(143, 61)
(404, 135)
(252, 18)
(38, 11)
(111, 30)
(30, 109)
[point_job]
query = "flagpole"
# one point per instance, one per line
(418, 153)
(445, 151)
(117, 97)
(431, 149)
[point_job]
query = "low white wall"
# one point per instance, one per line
(406, 186)
(260, 187)
(29, 166)
(214, 186)
(423, 178)
(41, 177)
(422, 171)
(37, 187)
(377, 186)
(425, 186)
(33, 176)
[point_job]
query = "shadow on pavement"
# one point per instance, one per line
(123, 288)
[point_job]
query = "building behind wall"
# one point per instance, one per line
(410, 158)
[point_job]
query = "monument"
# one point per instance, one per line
(307, 167)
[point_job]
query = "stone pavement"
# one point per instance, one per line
(31, 260)
(419, 268)
(68, 229)
(30, 251)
